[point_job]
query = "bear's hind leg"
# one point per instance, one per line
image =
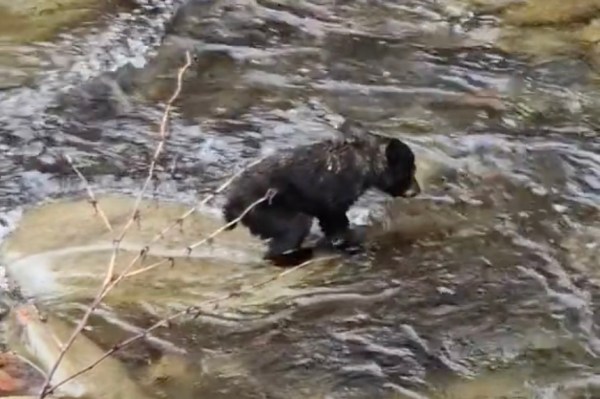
(285, 231)
(285, 250)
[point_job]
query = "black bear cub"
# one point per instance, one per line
(322, 181)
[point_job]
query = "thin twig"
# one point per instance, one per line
(208, 198)
(182, 218)
(93, 200)
(163, 138)
(134, 215)
(126, 273)
(148, 268)
(189, 310)
(109, 285)
(267, 197)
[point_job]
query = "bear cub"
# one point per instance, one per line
(320, 180)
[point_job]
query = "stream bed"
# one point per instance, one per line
(485, 286)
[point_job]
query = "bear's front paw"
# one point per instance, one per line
(350, 241)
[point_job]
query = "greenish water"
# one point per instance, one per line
(488, 288)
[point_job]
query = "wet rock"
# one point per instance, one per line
(246, 22)
(462, 7)
(4, 305)
(172, 373)
(491, 385)
(540, 43)
(591, 32)
(40, 337)
(33, 20)
(60, 250)
(585, 387)
(100, 98)
(18, 376)
(488, 100)
(28, 27)
(552, 12)
(583, 248)
(542, 30)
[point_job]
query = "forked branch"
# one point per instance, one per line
(88, 188)
(134, 214)
(191, 310)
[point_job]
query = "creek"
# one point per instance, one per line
(486, 286)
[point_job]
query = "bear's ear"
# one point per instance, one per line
(397, 153)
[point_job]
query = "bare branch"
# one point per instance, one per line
(178, 222)
(108, 281)
(93, 199)
(147, 268)
(111, 281)
(163, 139)
(266, 197)
(187, 311)
(127, 273)
(206, 200)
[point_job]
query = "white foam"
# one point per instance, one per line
(11, 219)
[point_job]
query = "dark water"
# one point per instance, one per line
(499, 283)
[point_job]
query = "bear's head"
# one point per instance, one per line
(398, 176)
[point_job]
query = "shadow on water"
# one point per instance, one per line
(484, 287)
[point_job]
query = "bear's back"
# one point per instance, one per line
(326, 173)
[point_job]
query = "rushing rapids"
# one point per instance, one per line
(486, 286)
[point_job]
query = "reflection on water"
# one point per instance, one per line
(484, 287)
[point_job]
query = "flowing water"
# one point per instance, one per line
(486, 286)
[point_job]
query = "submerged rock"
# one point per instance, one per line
(61, 251)
(18, 376)
(39, 20)
(538, 29)
(505, 384)
(41, 338)
(27, 29)
(546, 12)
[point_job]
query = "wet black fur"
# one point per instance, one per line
(321, 180)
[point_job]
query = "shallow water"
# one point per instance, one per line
(485, 287)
